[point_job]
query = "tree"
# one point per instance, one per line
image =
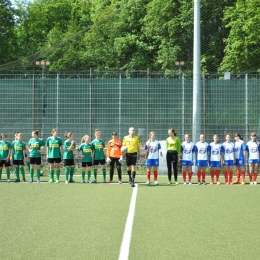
(242, 52)
(7, 36)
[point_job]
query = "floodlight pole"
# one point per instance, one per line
(196, 119)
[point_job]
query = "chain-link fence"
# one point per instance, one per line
(114, 101)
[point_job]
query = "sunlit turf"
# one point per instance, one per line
(87, 221)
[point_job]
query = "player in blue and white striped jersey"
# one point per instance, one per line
(201, 150)
(214, 150)
(240, 156)
(187, 150)
(253, 148)
(228, 158)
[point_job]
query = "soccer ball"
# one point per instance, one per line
(123, 149)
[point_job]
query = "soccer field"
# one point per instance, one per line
(87, 221)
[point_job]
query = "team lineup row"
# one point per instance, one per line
(228, 154)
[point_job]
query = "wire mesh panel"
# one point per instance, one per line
(148, 101)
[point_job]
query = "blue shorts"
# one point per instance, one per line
(214, 164)
(229, 162)
(202, 163)
(239, 162)
(152, 163)
(255, 161)
(186, 163)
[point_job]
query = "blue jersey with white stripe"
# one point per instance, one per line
(240, 147)
(228, 148)
(214, 149)
(253, 149)
(187, 149)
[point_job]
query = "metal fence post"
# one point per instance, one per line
(57, 102)
(90, 101)
(147, 102)
(119, 105)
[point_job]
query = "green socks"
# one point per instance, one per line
(67, 173)
(38, 174)
(95, 174)
(83, 175)
(8, 174)
(52, 174)
(104, 174)
(1, 174)
(28, 165)
(31, 173)
(89, 174)
(58, 174)
(22, 172)
(71, 173)
(17, 173)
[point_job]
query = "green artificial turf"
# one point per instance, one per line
(87, 221)
(57, 221)
(196, 222)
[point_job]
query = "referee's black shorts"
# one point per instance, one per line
(131, 159)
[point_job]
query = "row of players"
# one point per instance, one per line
(228, 153)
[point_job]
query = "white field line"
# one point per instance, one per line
(125, 246)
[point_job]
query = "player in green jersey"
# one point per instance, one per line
(35, 147)
(26, 159)
(87, 154)
(68, 157)
(54, 146)
(5, 154)
(18, 153)
(98, 146)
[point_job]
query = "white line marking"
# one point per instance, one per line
(125, 246)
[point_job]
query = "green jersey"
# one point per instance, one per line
(4, 149)
(86, 151)
(54, 145)
(18, 148)
(173, 144)
(68, 154)
(35, 145)
(98, 148)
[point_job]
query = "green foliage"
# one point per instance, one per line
(242, 52)
(7, 37)
(130, 34)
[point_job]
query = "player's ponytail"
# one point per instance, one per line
(36, 132)
(239, 135)
(68, 135)
(83, 139)
(173, 131)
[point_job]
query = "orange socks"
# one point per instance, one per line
(212, 174)
(226, 176)
(230, 177)
(148, 175)
(184, 176)
(217, 174)
(190, 176)
(243, 175)
(199, 175)
(203, 176)
(155, 175)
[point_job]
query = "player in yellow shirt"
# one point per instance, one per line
(132, 143)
